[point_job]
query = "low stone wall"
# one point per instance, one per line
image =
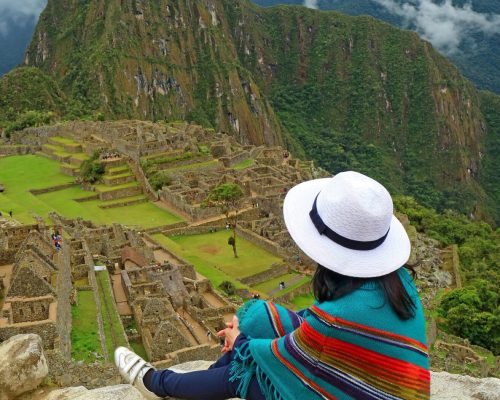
(123, 203)
(7, 256)
(161, 229)
(52, 189)
(89, 198)
(64, 291)
(191, 230)
(47, 330)
(259, 241)
(12, 150)
(201, 352)
(273, 272)
(119, 193)
(289, 296)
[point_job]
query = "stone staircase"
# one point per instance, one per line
(119, 186)
(67, 151)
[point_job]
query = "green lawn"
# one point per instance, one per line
(272, 284)
(244, 164)
(211, 251)
(84, 332)
(113, 328)
(21, 173)
(303, 301)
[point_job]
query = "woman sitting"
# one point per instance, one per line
(364, 338)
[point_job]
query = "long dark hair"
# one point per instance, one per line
(329, 285)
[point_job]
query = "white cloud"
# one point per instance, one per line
(18, 12)
(444, 25)
(311, 3)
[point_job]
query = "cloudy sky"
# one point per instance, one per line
(18, 12)
(444, 25)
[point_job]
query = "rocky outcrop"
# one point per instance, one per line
(23, 365)
(445, 386)
(118, 392)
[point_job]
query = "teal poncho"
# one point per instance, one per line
(354, 347)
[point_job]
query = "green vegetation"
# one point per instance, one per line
(363, 96)
(84, 332)
(19, 174)
(303, 301)
(471, 312)
(91, 170)
(227, 197)
(211, 257)
(244, 164)
(113, 329)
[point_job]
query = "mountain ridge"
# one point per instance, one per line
(349, 92)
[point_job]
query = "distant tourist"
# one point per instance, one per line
(364, 338)
(10, 213)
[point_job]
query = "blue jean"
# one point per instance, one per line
(211, 384)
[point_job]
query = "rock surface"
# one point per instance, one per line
(23, 365)
(445, 386)
(118, 392)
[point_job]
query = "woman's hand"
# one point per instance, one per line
(230, 334)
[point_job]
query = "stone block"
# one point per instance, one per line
(23, 365)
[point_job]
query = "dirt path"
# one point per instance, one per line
(162, 256)
(213, 300)
(199, 331)
(121, 298)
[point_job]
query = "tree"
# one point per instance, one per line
(227, 198)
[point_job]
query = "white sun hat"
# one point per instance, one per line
(346, 224)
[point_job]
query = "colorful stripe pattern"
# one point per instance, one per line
(276, 321)
(357, 371)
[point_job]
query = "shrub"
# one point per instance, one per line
(228, 288)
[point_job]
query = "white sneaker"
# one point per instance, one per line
(133, 368)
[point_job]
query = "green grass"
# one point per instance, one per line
(64, 140)
(210, 251)
(113, 328)
(22, 173)
(118, 168)
(303, 301)
(244, 164)
(84, 332)
(272, 284)
(188, 167)
(80, 156)
(19, 174)
(104, 188)
(139, 349)
(123, 175)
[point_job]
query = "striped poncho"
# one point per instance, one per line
(354, 347)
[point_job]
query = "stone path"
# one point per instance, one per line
(120, 296)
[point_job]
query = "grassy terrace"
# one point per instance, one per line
(84, 332)
(19, 174)
(113, 329)
(213, 257)
(244, 164)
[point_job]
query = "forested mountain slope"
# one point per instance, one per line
(477, 55)
(352, 93)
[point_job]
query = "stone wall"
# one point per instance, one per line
(289, 296)
(12, 150)
(273, 272)
(201, 352)
(31, 310)
(47, 330)
(52, 189)
(119, 193)
(259, 241)
(64, 293)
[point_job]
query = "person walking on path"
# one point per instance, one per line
(364, 337)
